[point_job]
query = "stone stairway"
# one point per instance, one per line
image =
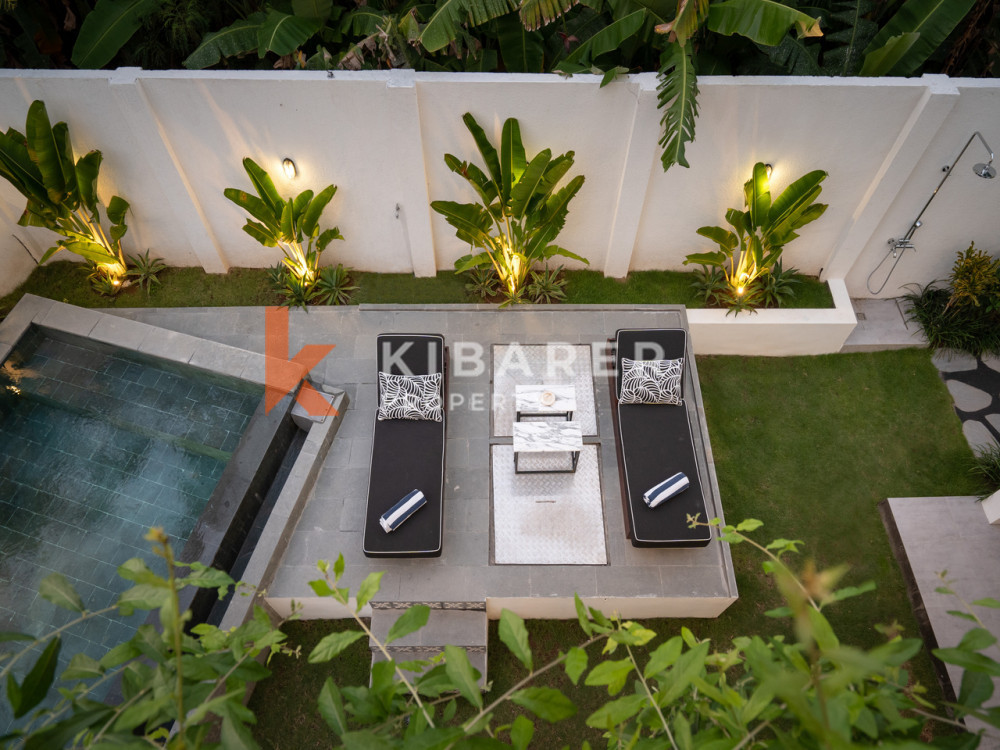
(460, 624)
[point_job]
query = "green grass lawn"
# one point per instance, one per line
(809, 445)
(183, 287)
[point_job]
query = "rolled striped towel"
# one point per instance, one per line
(393, 518)
(666, 489)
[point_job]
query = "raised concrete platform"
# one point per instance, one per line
(636, 582)
(882, 324)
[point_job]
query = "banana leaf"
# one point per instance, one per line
(287, 225)
(486, 189)
(609, 38)
(556, 170)
(486, 149)
(44, 151)
(264, 186)
(531, 180)
(106, 28)
(677, 97)
(879, 61)
(723, 237)
(757, 194)
(471, 221)
(689, 18)
(256, 207)
(738, 220)
(537, 13)
(310, 219)
(795, 198)
(87, 170)
(18, 169)
(715, 258)
(282, 33)
(92, 251)
(552, 250)
(553, 216)
(512, 158)
(522, 51)
(60, 132)
(260, 233)
(117, 209)
(933, 20)
(328, 236)
(236, 39)
(468, 262)
(762, 21)
(442, 27)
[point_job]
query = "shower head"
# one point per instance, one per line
(985, 171)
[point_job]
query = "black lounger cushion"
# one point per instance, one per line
(654, 442)
(407, 453)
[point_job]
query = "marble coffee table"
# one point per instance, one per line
(547, 437)
(544, 401)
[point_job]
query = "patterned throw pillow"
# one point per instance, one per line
(410, 396)
(651, 381)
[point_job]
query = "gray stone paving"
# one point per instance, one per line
(697, 582)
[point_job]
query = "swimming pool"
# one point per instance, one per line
(97, 444)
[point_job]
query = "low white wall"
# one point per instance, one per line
(174, 140)
(775, 333)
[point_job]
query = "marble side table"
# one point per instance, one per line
(544, 401)
(547, 437)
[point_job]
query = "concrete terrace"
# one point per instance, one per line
(636, 582)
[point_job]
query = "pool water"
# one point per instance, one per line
(96, 446)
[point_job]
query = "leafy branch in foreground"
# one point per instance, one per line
(177, 682)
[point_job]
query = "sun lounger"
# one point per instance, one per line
(407, 448)
(654, 443)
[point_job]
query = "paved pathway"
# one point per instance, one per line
(974, 384)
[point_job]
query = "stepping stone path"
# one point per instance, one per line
(974, 384)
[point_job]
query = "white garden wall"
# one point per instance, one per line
(173, 140)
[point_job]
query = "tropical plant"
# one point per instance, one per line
(709, 284)
(547, 285)
(287, 224)
(975, 281)
(146, 270)
(178, 681)
(520, 212)
(762, 231)
(986, 465)
(778, 286)
(483, 283)
(62, 193)
(333, 287)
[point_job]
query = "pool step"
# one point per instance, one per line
(465, 628)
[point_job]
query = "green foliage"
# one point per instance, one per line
(146, 270)
(761, 233)
(62, 192)
(333, 286)
(520, 210)
(965, 315)
(107, 28)
(483, 283)
(986, 465)
(287, 224)
(184, 677)
(778, 286)
(547, 285)
(930, 20)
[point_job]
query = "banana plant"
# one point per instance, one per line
(762, 230)
(286, 224)
(62, 193)
(520, 212)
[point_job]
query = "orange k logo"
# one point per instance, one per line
(283, 375)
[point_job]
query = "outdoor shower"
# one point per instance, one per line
(897, 246)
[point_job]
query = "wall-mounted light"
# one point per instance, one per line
(289, 168)
(768, 169)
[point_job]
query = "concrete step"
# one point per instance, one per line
(882, 324)
(464, 628)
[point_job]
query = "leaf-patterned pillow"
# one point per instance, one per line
(410, 396)
(651, 381)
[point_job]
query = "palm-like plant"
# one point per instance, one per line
(520, 212)
(762, 231)
(62, 193)
(292, 224)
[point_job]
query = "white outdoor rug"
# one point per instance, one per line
(547, 519)
(544, 364)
